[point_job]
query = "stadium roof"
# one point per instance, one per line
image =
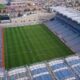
(68, 12)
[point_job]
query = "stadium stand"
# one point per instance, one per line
(66, 25)
(61, 70)
(74, 63)
(2, 73)
(20, 73)
(40, 72)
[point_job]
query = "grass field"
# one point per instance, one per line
(30, 44)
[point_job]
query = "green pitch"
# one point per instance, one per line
(30, 44)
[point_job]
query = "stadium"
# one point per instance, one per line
(39, 42)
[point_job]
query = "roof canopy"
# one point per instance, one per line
(68, 12)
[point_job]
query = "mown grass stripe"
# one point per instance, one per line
(29, 44)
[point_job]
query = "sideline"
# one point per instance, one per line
(3, 61)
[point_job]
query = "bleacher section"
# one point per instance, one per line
(40, 72)
(20, 73)
(66, 28)
(59, 69)
(2, 74)
(74, 62)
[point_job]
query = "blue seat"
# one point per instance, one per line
(44, 77)
(74, 62)
(38, 71)
(61, 70)
(64, 74)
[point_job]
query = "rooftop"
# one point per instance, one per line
(68, 12)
